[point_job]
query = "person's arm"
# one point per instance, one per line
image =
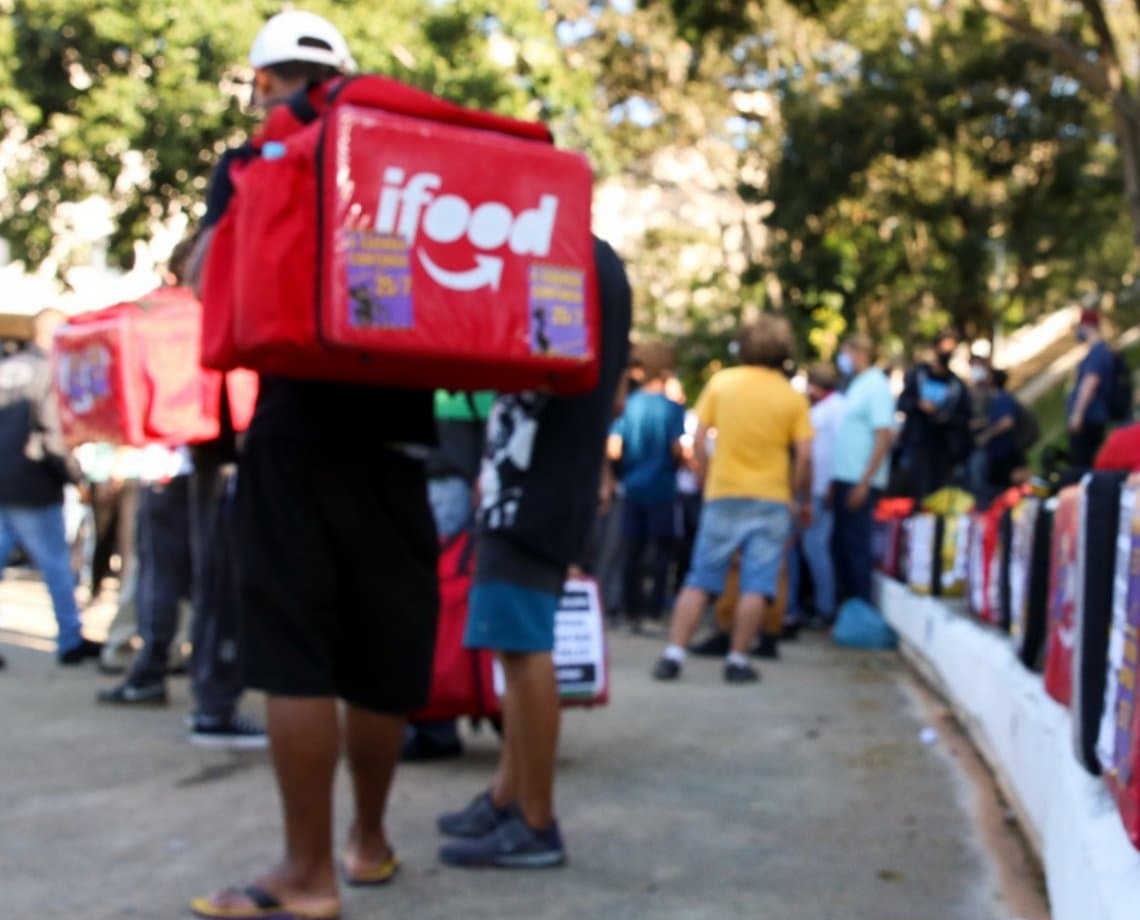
(801, 480)
(908, 399)
(46, 444)
(857, 497)
(613, 447)
(196, 264)
(998, 428)
(607, 487)
(1086, 393)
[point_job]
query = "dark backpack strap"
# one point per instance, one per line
(301, 106)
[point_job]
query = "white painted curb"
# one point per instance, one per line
(1091, 869)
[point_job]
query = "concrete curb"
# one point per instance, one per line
(1092, 871)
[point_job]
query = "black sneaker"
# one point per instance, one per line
(791, 631)
(740, 674)
(766, 647)
(514, 844)
(666, 669)
(236, 733)
(479, 818)
(128, 694)
(84, 650)
(715, 646)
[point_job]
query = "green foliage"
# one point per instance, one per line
(134, 100)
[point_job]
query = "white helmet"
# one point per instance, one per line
(296, 35)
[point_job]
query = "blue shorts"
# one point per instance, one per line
(757, 529)
(513, 600)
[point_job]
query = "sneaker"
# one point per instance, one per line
(791, 631)
(477, 820)
(84, 650)
(514, 844)
(666, 669)
(128, 694)
(236, 733)
(740, 674)
(766, 647)
(715, 646)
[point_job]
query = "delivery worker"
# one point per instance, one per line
(338, 572)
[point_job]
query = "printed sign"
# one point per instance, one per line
(579, 643)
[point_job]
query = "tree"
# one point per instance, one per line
(134, 100)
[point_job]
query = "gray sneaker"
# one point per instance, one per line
(478, 819)
(514, 844)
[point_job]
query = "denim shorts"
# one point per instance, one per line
(757, 529)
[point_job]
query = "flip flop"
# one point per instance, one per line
(262, 906)
(380, 875)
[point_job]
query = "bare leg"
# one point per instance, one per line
(746, 624)
(304, 739)
(531, 733)
(687, 615)
(373, 742)
(505, 787)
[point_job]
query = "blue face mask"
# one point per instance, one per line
(845, 364)
(1082, 334)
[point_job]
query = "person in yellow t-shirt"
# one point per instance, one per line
(758, 477)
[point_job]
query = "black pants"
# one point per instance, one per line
(690, 517)
(1084, 445)
(652, 527)
(217, 679)
(164, 561)
(851, 545)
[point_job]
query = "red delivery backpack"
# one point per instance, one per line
(1118, 743)
(130, 374)
(461, 680)
(381, 235)
(887, 531)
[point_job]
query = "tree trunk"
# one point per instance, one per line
(1128, 140)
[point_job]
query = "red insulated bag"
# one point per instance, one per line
(1118, 744)
(887, 531)
(985, 578)
(1064, 590)
(461, 681)
(382, 235)
(130, 374)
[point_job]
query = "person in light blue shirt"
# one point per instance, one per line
(860, 466)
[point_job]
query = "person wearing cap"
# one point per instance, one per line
(337, 576)
(860, 466)
(1087, 406)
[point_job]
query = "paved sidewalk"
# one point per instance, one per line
(810, 796)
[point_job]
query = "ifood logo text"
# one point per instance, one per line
(407, 207)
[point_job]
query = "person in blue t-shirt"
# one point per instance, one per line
(646, 443)
(1088, 402)
(999, 440)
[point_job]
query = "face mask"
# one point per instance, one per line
(944, 357)
(845, 364)
(1082, 334)
(978, 375)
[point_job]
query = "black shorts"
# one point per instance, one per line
(338, 574)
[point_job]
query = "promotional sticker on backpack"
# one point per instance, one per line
(1064, 590)
(130, 375)
(400, 239)
(1118, 742)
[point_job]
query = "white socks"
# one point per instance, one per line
(737, 658)
(675, 653)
